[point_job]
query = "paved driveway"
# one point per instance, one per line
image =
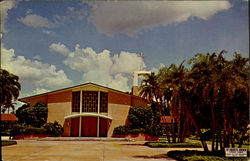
(82, 150)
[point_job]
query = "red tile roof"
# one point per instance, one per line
(8, 117)
(166, 119)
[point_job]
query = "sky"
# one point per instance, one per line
(52, 45)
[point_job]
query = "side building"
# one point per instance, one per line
(87, 110)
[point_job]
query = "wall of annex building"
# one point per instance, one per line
(138, 102)
(118, 108)
(119, 115)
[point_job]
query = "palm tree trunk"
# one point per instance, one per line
(242, 135)
(213, 126)
(231, 136)
(180, 118)
(184, 131)
(221, 145)
(204, 144)
(224, 133)
(217, 140)
(173, 132)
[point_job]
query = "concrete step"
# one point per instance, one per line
(83, 139)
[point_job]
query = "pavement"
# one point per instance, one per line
(100, 150)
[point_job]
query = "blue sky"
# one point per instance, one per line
(52, 45)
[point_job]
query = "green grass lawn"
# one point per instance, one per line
(192, 155)
(195, 140)
(8, 142)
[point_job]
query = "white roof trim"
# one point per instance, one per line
(88, 114)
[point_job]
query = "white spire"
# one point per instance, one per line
(141, 67)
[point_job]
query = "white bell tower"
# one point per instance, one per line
(136, 74)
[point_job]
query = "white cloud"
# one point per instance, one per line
(121, 62)
(59, 48)
(37, 21)
(29, 11)
(156, 69)
(132, 17)
(34, 92)
(37, 57)
(33, 20)
(5, 7)
(119, 82)
(102, 68)
(49, 32)
(34, 72)
(71, 14)
(39, 91)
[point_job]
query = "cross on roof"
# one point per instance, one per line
(141, 63)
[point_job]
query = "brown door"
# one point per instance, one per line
(89, 126)
(103, 127)
(75, 126)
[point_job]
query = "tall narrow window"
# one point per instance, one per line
(76, 101)
(103, 102)
(89, 101)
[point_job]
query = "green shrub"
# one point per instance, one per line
(121, 130)
(136, 131)
(54, 129)
(35, 116)
(17, 129)
(8, 142)
(34, 130)
(141, 119)
(4, 125)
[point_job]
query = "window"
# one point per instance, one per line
(76, 101)
(89, 101)
(103, 102)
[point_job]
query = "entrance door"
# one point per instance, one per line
(75, 126)
(89, 126)
(103, 127)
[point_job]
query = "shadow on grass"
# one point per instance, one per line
(8, 142)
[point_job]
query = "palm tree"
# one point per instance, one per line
(149, 87)
(10, 88)
(217, 81)
(177, 84)
(213, 94)
(205, 70)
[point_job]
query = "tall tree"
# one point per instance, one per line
(10, 88)
(149, 87)
(217, 83)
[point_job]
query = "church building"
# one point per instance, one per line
(87, 110)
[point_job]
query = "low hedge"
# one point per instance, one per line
(193, 155)
(8, 142)
(172, 145)
(54, 129)
(121, 130)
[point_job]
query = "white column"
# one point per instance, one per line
(80, 119)
(98, 111)
(80, 101)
